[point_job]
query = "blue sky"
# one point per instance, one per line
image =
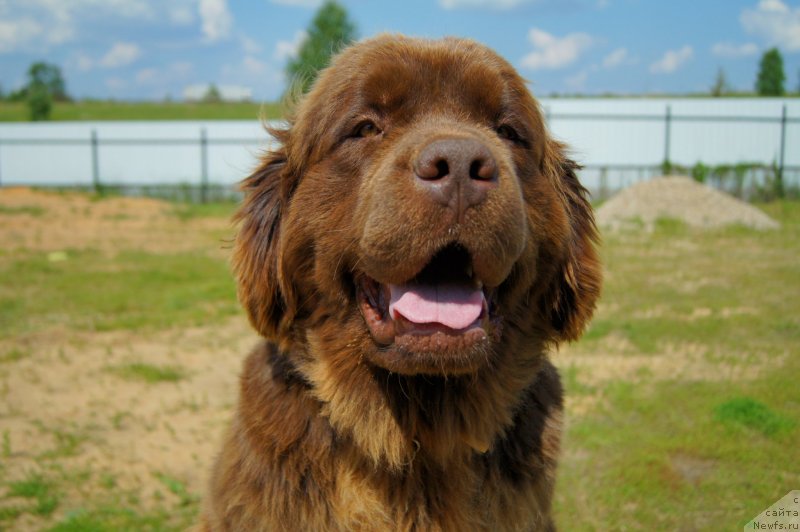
(151, 49)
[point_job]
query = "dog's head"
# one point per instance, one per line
(417, 210)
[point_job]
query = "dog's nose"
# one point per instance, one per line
(456, 172)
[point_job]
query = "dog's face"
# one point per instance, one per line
(417, 215)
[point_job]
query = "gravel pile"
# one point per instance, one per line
(679, 198)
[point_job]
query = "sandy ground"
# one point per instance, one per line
(61, 404)
(679, 198)
(107, 434)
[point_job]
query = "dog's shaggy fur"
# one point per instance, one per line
(351, 416)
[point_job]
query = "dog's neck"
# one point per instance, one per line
(393, 418)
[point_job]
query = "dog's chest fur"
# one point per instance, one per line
(284, 467)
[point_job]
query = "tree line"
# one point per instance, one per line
(331, 30)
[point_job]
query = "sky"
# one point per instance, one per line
(157, 49)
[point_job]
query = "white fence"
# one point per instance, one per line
(617, 140)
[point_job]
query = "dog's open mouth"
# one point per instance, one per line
(443, 312)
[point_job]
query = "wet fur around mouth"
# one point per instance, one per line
(351, 416)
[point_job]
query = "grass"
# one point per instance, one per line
(40, 490)
(13, 355)
(701, 449)
(30, 210)
(132, 290)
(149, 373)
(703, 436)
(112, 110)
(217, 209)
(749, 413)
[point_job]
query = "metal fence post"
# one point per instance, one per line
(203, 165)
(667, 138)
(95, 162)
(781, 157)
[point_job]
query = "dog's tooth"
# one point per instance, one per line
(470, 271)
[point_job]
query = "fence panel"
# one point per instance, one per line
(619, 141)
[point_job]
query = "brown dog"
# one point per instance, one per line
(410, 254)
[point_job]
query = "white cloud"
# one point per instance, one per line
(12, 33)
(181, 68)
(553, 52)
(146, 75)
(250, 46)
(175, 72)
(226, 92)
(83, 62)
(775, 22)
(616, 58)
(181, 15)
(298, 3)
(289, 49)
(727, 49)
(216, 19)
(578, 81)
(492, 4)
(253, 65)
(120, 54)
(672, 60)
(41, 24)
(116, 84)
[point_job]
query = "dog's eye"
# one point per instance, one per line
(366, 129)
(509, 133)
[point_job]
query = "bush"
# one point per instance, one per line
(40, 103)
(700, 172)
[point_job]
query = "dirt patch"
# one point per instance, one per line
(617, 360)
(689, 468)
(63, 402)
(678, 198)
(71, 409)
(684, 362)
(40, 220)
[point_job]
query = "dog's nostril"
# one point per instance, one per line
(433, 170)
(442, 168)
(483, 169)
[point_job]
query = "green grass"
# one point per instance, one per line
(149, 373)
(113, 519)
(40, 490)
(13, 355)
(749, 413)
(132, 290)
(177, 488)
(657, 449)
(111, 110)
(708, 451)
(218, 209)
(30, 210)
(739, 276)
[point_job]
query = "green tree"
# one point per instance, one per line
(770, 74)
(40, 103)
(48, 76)
(45, 84)
(720, 86)
(212, 94)
(330, 31)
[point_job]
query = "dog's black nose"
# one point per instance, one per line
(456, 172)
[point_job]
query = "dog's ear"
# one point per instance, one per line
(266, 297)
(570, 300)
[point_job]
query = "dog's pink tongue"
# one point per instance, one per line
(453, 306)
